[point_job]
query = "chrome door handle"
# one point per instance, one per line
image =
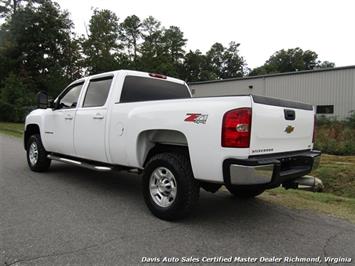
(98, 116)
(68, 117)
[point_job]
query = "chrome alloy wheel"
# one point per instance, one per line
(33, 153)
(162, 187)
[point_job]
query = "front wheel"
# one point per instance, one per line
(244, 192)
(169, 188)
(36, 154)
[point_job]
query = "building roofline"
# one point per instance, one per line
(274, 75)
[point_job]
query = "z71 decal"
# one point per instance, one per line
(196, 118)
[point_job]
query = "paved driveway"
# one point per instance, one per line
(71, 215)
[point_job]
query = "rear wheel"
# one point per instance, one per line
(169, 188)
(36, 154)
(244, 192)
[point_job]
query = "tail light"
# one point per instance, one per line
(236, 128)
(159, 76)
(314, 128)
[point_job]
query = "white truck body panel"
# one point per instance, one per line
(269, 128)
(123, 133)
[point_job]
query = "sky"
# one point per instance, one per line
(261, 27)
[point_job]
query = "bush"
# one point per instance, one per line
(7, 112)
(351, 119)
(336, 137)
(322, 120)
(11, 113)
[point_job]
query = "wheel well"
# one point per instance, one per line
(151, 142)
(160, 148)
(30, 130)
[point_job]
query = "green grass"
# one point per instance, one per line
(12, 129)
(330, 204)
(338, 198)
(337, 174)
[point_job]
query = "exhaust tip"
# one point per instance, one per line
(307, 182)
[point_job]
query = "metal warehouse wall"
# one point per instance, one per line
(335, 87)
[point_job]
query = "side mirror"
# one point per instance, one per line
(42, 100)
(51, 103)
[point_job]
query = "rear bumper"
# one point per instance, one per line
(269, 170)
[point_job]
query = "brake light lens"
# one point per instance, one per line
(159, 76)
(314, 129)
(236, 128)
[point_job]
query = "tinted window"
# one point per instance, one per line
(97, 92)
(325, 109)
(70, 98)
(137, 89)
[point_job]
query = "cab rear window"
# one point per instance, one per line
(136, 89)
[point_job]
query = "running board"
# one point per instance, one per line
(78, 163)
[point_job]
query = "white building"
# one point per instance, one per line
(331, 90)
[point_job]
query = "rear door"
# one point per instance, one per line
(90, 121)
(280, 126)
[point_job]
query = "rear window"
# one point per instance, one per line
(136, 89)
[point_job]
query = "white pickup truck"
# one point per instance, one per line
(149, 123)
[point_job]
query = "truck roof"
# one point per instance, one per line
(126, 72)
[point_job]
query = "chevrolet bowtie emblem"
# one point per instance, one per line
(289, 129)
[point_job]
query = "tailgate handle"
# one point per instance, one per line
(290, 114)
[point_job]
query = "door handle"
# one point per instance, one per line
(98, 116)
(68, 117)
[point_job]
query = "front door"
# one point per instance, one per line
(90, 121)
(59, 124)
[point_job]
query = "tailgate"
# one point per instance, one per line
(280, 126)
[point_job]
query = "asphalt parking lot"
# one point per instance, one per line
(72, 216)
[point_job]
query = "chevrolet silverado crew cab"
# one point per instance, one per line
(150, 124)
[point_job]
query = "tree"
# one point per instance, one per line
(327, 64)
(36, 44)
(291, 60)
(152, 38)
(196, 67)
(101, 47)
(73, 62)
(14, 98)
(8, 7)
(233, 64)
(225, 62)
(174, 42)
(151, 48)
(162, 49)
(215, 60)
(14, 91)
(130, 35)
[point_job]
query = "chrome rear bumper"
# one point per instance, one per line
(246, 175)
(271, 170)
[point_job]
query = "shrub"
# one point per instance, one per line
(322, 120)
(351, 120)
(7, 112)
(336, 137)
(11, 113)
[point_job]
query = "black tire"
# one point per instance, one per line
(244, 192)
(187, 187)
(42, 163)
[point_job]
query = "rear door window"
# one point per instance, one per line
(137, 89)
(97, 92)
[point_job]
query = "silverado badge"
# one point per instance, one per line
(289, 129)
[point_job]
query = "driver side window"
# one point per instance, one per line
(70, 99)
